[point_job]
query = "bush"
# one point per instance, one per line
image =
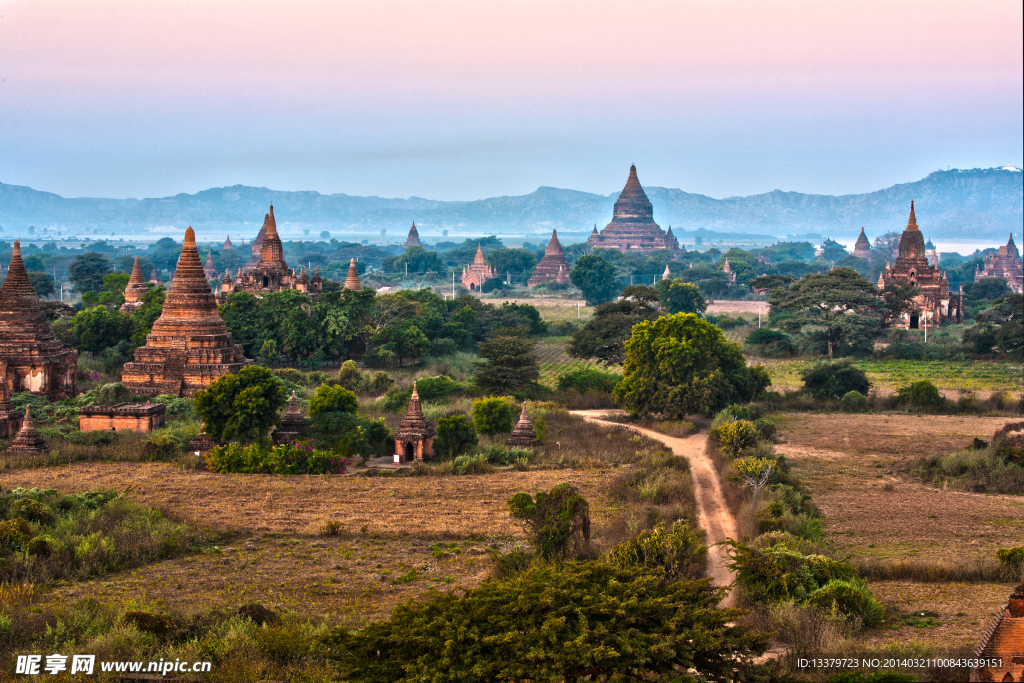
(349, 376)
(284, 459)
(502, 456)
(848, 597)
(455, 435)
(1012, 557)
(380, 383)
(834, 379)
(439, 348)
(558, 522)
(779, 349)
(922, 394)
(763, 336)
(854, 402)
(678, 552)
(493, 415)
(589, 380)
(335, 399)
(736, 436)
(471, 464)
(111, 394)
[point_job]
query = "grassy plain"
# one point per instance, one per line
(951, 377)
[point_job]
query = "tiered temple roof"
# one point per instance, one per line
(862, 249)
(553, 267)
(134, 290)
(31, 357)
(1005, 263)
(257, 244)
(478, 272)
(227, 244)
(293, 424)
(352, 281)
(208, 267)
(632, 227)
(523, 434)
(415, 436)
(413, 240)
(270, 273)
(189, 346)
(28, 441)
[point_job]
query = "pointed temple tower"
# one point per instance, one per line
(28, 441)
(257, 244)
(862, 249)
(31, 357)
(189, 346)
(293, 424)
(1006, 263)
(414, 439)
(553, 267)
(934, 303)
(134, 290)
(10, 417)
(413, 240)
(227, 244)
(270, 272)
(632, 227)
(208, 269)
(667, 275)
(352, 281)
(478, 272)
(523, 435)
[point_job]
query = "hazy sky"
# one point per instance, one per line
(461, 100)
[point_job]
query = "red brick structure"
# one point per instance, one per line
(208, 269)
(134, 417)
(1004, 641)
(478, 272)
(10, 417)
(189, 346)
(553, 267)
(134, 290)
(293, 425)
(414, 439)
(934, 303)
(227, 244)
(523, 435)
(1006, 263)
(632, 227)
(31, 357)
(352, 281)
(413, 240)
(862, 249)
(27, 441)
(271, 273)
(257, 244)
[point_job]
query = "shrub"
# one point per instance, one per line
(767, 428)
(380, 383)
(922, 394)
(557, 522)
(782, 348)
(854, 402)
(14, 533)
(283, 459)
(493, 415)
(455, 435)
(781, 572)
(500, 455)
(336, 399)
(1012, 557)
(439, 348)
(834, 379)
(438, 388)
(349, 376)
(589, 380)
(471, 464)
(736, 436)
(848, 597)
(331, 528)
(763, 335)
(678, 552)
(112, 394)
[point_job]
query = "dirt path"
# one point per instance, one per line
(712, 513)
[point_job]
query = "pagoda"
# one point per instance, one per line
(189, 346)
(413, 240)
(478, 272)
(632, 227)
(523, 434)
(27, 441)
(31, 357)
(270, 273)
(1006, 264)
(933, 303)
(134, 290)
(257, 244)
(862, 249)
(352, 281)
(293, 424)
(414, 439)
(553, 267)
(208, 268)
(227, 244)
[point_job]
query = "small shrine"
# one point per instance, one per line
(553, 267)
(1002, 648)
(862, 249)
(27, 441)
(478, 272)
(414, 439)
(352, 281)
(523, 434)
(133, 417)
(10, 417)
(134, 290)
(227, 244)
(293, 425)
(208, 269)
(413, 240)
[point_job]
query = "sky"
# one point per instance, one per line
(464, 100)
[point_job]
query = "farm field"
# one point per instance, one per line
(951, 377)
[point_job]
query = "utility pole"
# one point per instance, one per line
(926, 326)
(759, 316)
(453, 285)
(577, 310)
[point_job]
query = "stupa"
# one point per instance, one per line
(413, 240)
(1005, 263)
(414, 439)
(31, 357)
(189, 346)
(523, 434)
(632, 227)
(227, 244)
(10, 417)
(134, 290)
(293, 424)
(27, 441)
(553, 267)
(208, 268)
(270, 273)
(862, 249)
(478, 272)
(352, 281)
(257, 244)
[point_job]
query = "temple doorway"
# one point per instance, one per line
(410, 451)
(914, 321)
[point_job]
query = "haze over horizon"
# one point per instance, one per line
(459, 100)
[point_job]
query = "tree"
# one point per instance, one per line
(838, 307)
(87, 271)
(336, 399)
(710, 280)
(678, 296)
(596, 279)
(834, 379)
(755, 473)
(772, 281)
(517, 263)
(897, 302)
(241, 407)
(41, 282)
(605, 334)
(985, 290)
(678, 552)
(557, 522)
(553, 624)
(510, 364)
(455, 435)
(98, 328)
(419, 260)
(681, 365)
(493, 415)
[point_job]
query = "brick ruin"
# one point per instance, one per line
(352, 281)
(414, 439)
(27, 441)
(632, 227)
(270, 273)
(293, 425)
(1004, 641)
(862, 249)
(413, 240)
(189, 346)
(134, 290)
(1006, 264)
(31, 357)
(553, 267)
(134, 417)
(478, 272)
(523, 435)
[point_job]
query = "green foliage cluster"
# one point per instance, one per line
(284, 459)
(922, 395)
(854, 402)
(429, 389)
(596, 279)
(1012, 557)
(456, 435)
(736, 436)
(997, 467)
(506, 457)
(677, 552)
(336, 399)
(241, 407)
(834, 379)
(510, 364)
(557, 522)
(589, 381)
(493, 415)
(770, 343)
(605, 334)
(679, 296)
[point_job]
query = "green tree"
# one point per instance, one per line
(516, 263)
(336, 399)
(605, 334)
(557, 522)
(681, 365)
(87, 271)
(596, 279)
(455, 435)
(834, 379)
(678, 296)
(755, 473)
(510, 364)
(269, 352)
(41, 282)
(419, 260)
(709, 279)
(677, 552)
(98, 328)
(493, 415)
(241, 407)
(985, 290)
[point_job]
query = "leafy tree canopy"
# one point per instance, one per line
(596, 279)
(241, 407)
(510, 364)
(41, 282)
(493, 415)
(605, 334)
(515, 263)
(87, 271)
(419, 260)
(336, 399)
(455, 435)
(678, 296)
(98, 328)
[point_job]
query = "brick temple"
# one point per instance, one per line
(134, 417)
(352, 281)
(1003, 644)
(553, 267)
(632, 227)
(523, 435)
(413, 240)
(414, 439)
(271, 273)
(189, 346)
(134, 290)
(933, 304)
(27, 441)
(1005, 263)
(862, 249)
(478, 272)
(31, 357)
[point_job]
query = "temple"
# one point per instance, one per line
(862, 249)
(31, 357)
(632, 227)
(478, 272)
(414, 439)
(523, 434)
(413, 240)
(933, 303)
(1006, 264)
(27, 441)
(208, 269)
(352, 281)
(227, 244)
(189, 346)
(293, 424)
(1001, 652)
(134, 290)
(257, 244)
(10, 417)
(553, 267)
(730, 276)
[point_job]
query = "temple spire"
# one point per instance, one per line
(352, 281)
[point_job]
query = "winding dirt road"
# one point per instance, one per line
(712, 513)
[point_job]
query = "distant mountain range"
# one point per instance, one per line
(954, 205)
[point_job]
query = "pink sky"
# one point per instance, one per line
(469, 99)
